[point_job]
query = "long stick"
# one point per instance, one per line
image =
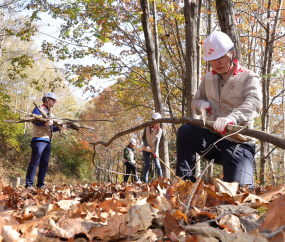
(270, 138)
(167, 167)
(194, 189)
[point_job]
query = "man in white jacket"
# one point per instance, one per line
(229, 94)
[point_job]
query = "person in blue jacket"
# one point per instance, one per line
(41, 142)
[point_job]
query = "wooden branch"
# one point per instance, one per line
(87, 120)
(34, 118)
(37, 107)
(66, 120)
(273, 139)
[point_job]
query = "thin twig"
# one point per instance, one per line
(113, 172)
(194, 189)
(271, 235)
(180, 201)
(45, 116)
(211, 147)
(168, 168)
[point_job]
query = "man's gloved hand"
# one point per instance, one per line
(155, 156)
(221, 124)
(64, 126)
(148, 149)
(206, 106)
(49, 122)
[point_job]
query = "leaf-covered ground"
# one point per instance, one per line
(143, 212)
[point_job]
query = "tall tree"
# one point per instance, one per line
(270, 38)
(154, 75)
(190, 13)
(227, 20)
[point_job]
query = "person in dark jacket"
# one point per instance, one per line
(130, 162)
(41, 142)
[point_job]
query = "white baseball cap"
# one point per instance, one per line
(156, 116)
(133, 141)
(50, 95)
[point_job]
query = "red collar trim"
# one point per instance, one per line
(239, 69)
(44, 106)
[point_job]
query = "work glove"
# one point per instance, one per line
(148, 149)
(205, 109)
(221, 124)
(64, 126)
(49, 122)
(206, 106)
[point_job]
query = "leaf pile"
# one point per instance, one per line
(142, 212)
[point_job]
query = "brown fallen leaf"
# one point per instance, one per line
(273, 193)
(191, 238)
(141, 215)
(184, 189)
(214, 199)
(66, 204)
(111, 204)
(206, 214)
(232, 222)
(116, 229)
(275, 216)
(229, 188)
(179, 215)
(11, 235)
(171, 224)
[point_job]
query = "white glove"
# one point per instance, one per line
(221, 124)
(49, 122)
(64, 126)
(205, 106)
(148, 149)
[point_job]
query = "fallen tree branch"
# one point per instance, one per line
(194, 189)
(35, 118)
(261, 135)
(270, 235)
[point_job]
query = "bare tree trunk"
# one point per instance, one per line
(283, 117)
(226, 15)
(199, 73)
(118, 164)
(155, 35)
(190, 12)
(199, 49)
(154, 75)
(272, 171)
(209, 26)
(266, 70)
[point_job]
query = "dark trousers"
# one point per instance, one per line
(40, 155)
(131, 168)
(146, 158)
(236, 158)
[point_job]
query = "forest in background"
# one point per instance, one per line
(152, 72)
